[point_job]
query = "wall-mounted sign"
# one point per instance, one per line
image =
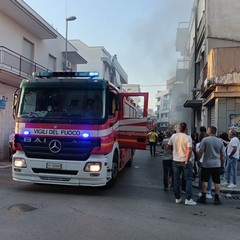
(2, 104)
(235, 122)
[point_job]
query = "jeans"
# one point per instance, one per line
(152, 147)
(231, 169)
(167, 172)
(187, 170)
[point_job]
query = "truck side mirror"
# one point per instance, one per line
(15, 101)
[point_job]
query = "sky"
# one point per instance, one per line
(141, 33)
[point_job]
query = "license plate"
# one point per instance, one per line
(54, 165)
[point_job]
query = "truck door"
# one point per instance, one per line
(133, 120)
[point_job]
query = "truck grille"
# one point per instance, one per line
(58, 179)
(66, 148)
(53, 171)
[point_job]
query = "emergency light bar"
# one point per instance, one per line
(65, 74)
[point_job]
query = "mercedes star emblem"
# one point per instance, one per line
(55, 146)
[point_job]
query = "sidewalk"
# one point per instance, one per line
(223, 189)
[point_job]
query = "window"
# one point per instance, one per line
(28, 49)
(131, 107)
(27, 65)
(52, 62)
(62, 103)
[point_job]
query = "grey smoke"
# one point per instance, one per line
(154, 39)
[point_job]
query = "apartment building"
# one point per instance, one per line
(99, 59)
(170, 110)
(163, 109)
(214, 53)
(27, 44)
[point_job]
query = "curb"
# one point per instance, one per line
(222, 189)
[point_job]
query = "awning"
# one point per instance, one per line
(74, 57)
(197, 103)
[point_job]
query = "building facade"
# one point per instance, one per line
(99, 59)
(163, 109)
(213, 51)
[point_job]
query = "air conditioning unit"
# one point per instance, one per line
(68, 64)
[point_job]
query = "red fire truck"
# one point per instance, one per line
(74, 129)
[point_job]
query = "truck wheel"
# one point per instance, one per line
(114, 171)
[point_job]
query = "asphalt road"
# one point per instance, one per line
(136, 208)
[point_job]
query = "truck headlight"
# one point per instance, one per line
(19, 163)
(93, 167)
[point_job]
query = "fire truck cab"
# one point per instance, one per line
(74, 129)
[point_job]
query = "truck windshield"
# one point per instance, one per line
(62, 103)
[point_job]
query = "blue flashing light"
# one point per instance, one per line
(85, 135)
(91, 74)
(26, 132)
(41, 74)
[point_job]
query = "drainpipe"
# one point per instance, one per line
(195, 65)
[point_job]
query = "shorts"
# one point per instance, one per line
(215, 173)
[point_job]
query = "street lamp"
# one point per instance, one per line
(72, 18)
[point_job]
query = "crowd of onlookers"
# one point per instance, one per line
(212, 158)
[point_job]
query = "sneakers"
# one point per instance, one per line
(187, 202)
(190, 202)
(178, 200)
(208, 195)
(224, 184)
(231, 186)
(202, 200)
(217, 201)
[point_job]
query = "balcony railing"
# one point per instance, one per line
(17, 64)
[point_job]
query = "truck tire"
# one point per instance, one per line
(114, 171)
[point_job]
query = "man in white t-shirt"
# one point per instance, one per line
(233, 156)
(181, 144)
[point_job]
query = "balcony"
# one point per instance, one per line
(182, 70)
(182, 37)
(14, 67)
